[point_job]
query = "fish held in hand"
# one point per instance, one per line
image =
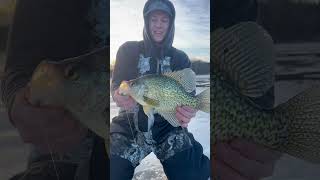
(77, 84)
(243, 61)
(163, 93)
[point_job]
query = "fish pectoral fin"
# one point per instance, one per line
(151, 102)
(170, 117)
(185, 77)
(244, 56)
(149, 111)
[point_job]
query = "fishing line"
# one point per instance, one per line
(131, 129)
(126, 112)
(51, 155)
(39, 166)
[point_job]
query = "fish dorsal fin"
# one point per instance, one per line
(243, 54)
(186, 77)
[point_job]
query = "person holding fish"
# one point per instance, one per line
(145, 122)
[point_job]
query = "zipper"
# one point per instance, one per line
(158, 66)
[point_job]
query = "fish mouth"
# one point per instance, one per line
(46, 76)
(46, 85)
(124, 88)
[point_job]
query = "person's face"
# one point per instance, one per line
(159, 22)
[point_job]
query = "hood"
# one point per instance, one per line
(150, 46)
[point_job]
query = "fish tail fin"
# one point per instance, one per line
(302, 116)
(204, 101)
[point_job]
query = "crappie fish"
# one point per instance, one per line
(243, 62)
(163, 93)
(79, 85)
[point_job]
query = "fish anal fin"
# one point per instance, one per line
(149, 111)
(170, 117)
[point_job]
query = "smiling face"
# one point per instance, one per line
(159, 23)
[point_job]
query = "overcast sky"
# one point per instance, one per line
(192, 33)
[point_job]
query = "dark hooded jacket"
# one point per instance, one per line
(137, 58)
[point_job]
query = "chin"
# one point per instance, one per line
(158, 40)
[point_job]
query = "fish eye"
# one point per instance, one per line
(70, 74)
(132, 83)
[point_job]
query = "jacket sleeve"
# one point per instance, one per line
(41, 29)
(125, 65)
(181, 60)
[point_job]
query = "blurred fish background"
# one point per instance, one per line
(13, 151)
(294, 26)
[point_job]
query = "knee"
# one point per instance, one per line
(189, 164)
(120, 168)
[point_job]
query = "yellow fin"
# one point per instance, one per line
(149, 111)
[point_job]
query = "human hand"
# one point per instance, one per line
(242, 160)
(124, 101)
(184, 114)
(48, 128)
